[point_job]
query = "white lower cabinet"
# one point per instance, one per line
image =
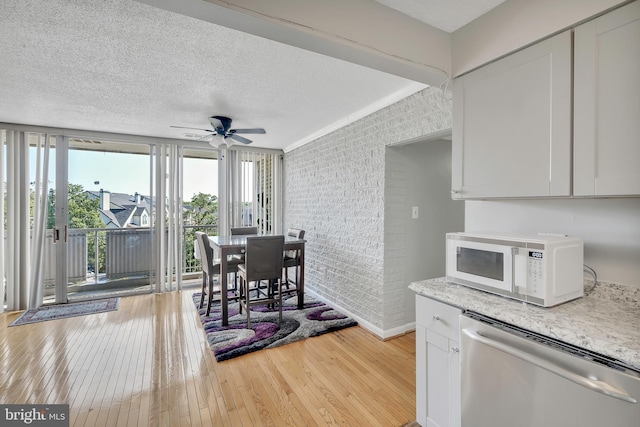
(437, 364)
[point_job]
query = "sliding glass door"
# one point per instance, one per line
(109, 218)
(86, 218)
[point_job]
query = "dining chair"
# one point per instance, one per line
(292, 259)
(237, 231)
(236, 260)
(211, 268)
(263, 261)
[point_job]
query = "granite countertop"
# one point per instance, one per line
(606, 321)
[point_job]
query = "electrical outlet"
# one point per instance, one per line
(414, 212)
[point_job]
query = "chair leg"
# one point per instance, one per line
(241, 291)
(210, 296)
(204, 286)
(279, 282)
(248, 307)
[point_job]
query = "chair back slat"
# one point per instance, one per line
(296, 232)
(263, 258)
(241, 231)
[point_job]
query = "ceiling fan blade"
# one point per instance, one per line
(183, 127)
(240, 139)
(254, 131)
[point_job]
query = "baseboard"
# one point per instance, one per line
(400, 330)
(380, 333)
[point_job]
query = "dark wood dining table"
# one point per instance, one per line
(224, 246)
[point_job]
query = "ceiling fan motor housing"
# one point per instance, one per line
(223, 125)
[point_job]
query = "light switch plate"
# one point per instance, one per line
(414, 212)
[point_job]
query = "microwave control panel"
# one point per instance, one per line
(535, 273)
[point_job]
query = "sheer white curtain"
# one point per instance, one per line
(253, 182)
(166, 190)
(3, 137)
(21, 261)
(38, 234)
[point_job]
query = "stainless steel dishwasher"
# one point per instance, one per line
(513, 377)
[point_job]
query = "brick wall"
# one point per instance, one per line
(336, 187)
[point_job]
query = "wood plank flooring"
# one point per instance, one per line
(148, 364)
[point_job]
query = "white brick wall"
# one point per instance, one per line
(336, 187)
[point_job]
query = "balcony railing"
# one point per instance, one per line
(114, 257)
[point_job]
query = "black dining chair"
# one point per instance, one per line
(263, 261)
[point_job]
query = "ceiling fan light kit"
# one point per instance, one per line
(221, 126)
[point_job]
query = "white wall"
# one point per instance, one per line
(515, 24)
(610, 228)
(334, 188)
(360, 31)
(418, 175)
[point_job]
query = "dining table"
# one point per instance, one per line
(225, 246)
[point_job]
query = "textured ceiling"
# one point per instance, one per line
(125, 67)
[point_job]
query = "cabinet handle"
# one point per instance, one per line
(455, 350)
(436, 317)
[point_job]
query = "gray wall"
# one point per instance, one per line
(418, 175)
(334, 188)
(610, 228)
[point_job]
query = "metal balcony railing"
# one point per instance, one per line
(107, 255)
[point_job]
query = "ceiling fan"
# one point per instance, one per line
(221, 126)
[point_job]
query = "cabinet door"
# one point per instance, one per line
(437, 363)
(607, 104)
(512, 125)
(443, 386)
(438, 384)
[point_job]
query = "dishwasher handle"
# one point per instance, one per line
(591, 384)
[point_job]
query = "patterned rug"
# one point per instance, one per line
(316, 318)
(63, 311)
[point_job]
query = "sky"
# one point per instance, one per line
(129, 173)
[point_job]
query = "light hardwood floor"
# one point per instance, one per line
(148, 364)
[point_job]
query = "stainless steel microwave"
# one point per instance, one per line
(542, 270)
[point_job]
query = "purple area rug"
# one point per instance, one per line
(63, 311)
(316, 318)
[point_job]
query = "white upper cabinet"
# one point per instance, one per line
(512, 125)
(607, 104)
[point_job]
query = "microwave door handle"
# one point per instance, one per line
(591, 384)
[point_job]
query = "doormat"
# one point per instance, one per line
(227, 342)
(63, 311)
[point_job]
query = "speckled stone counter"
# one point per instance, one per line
(606, 321)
